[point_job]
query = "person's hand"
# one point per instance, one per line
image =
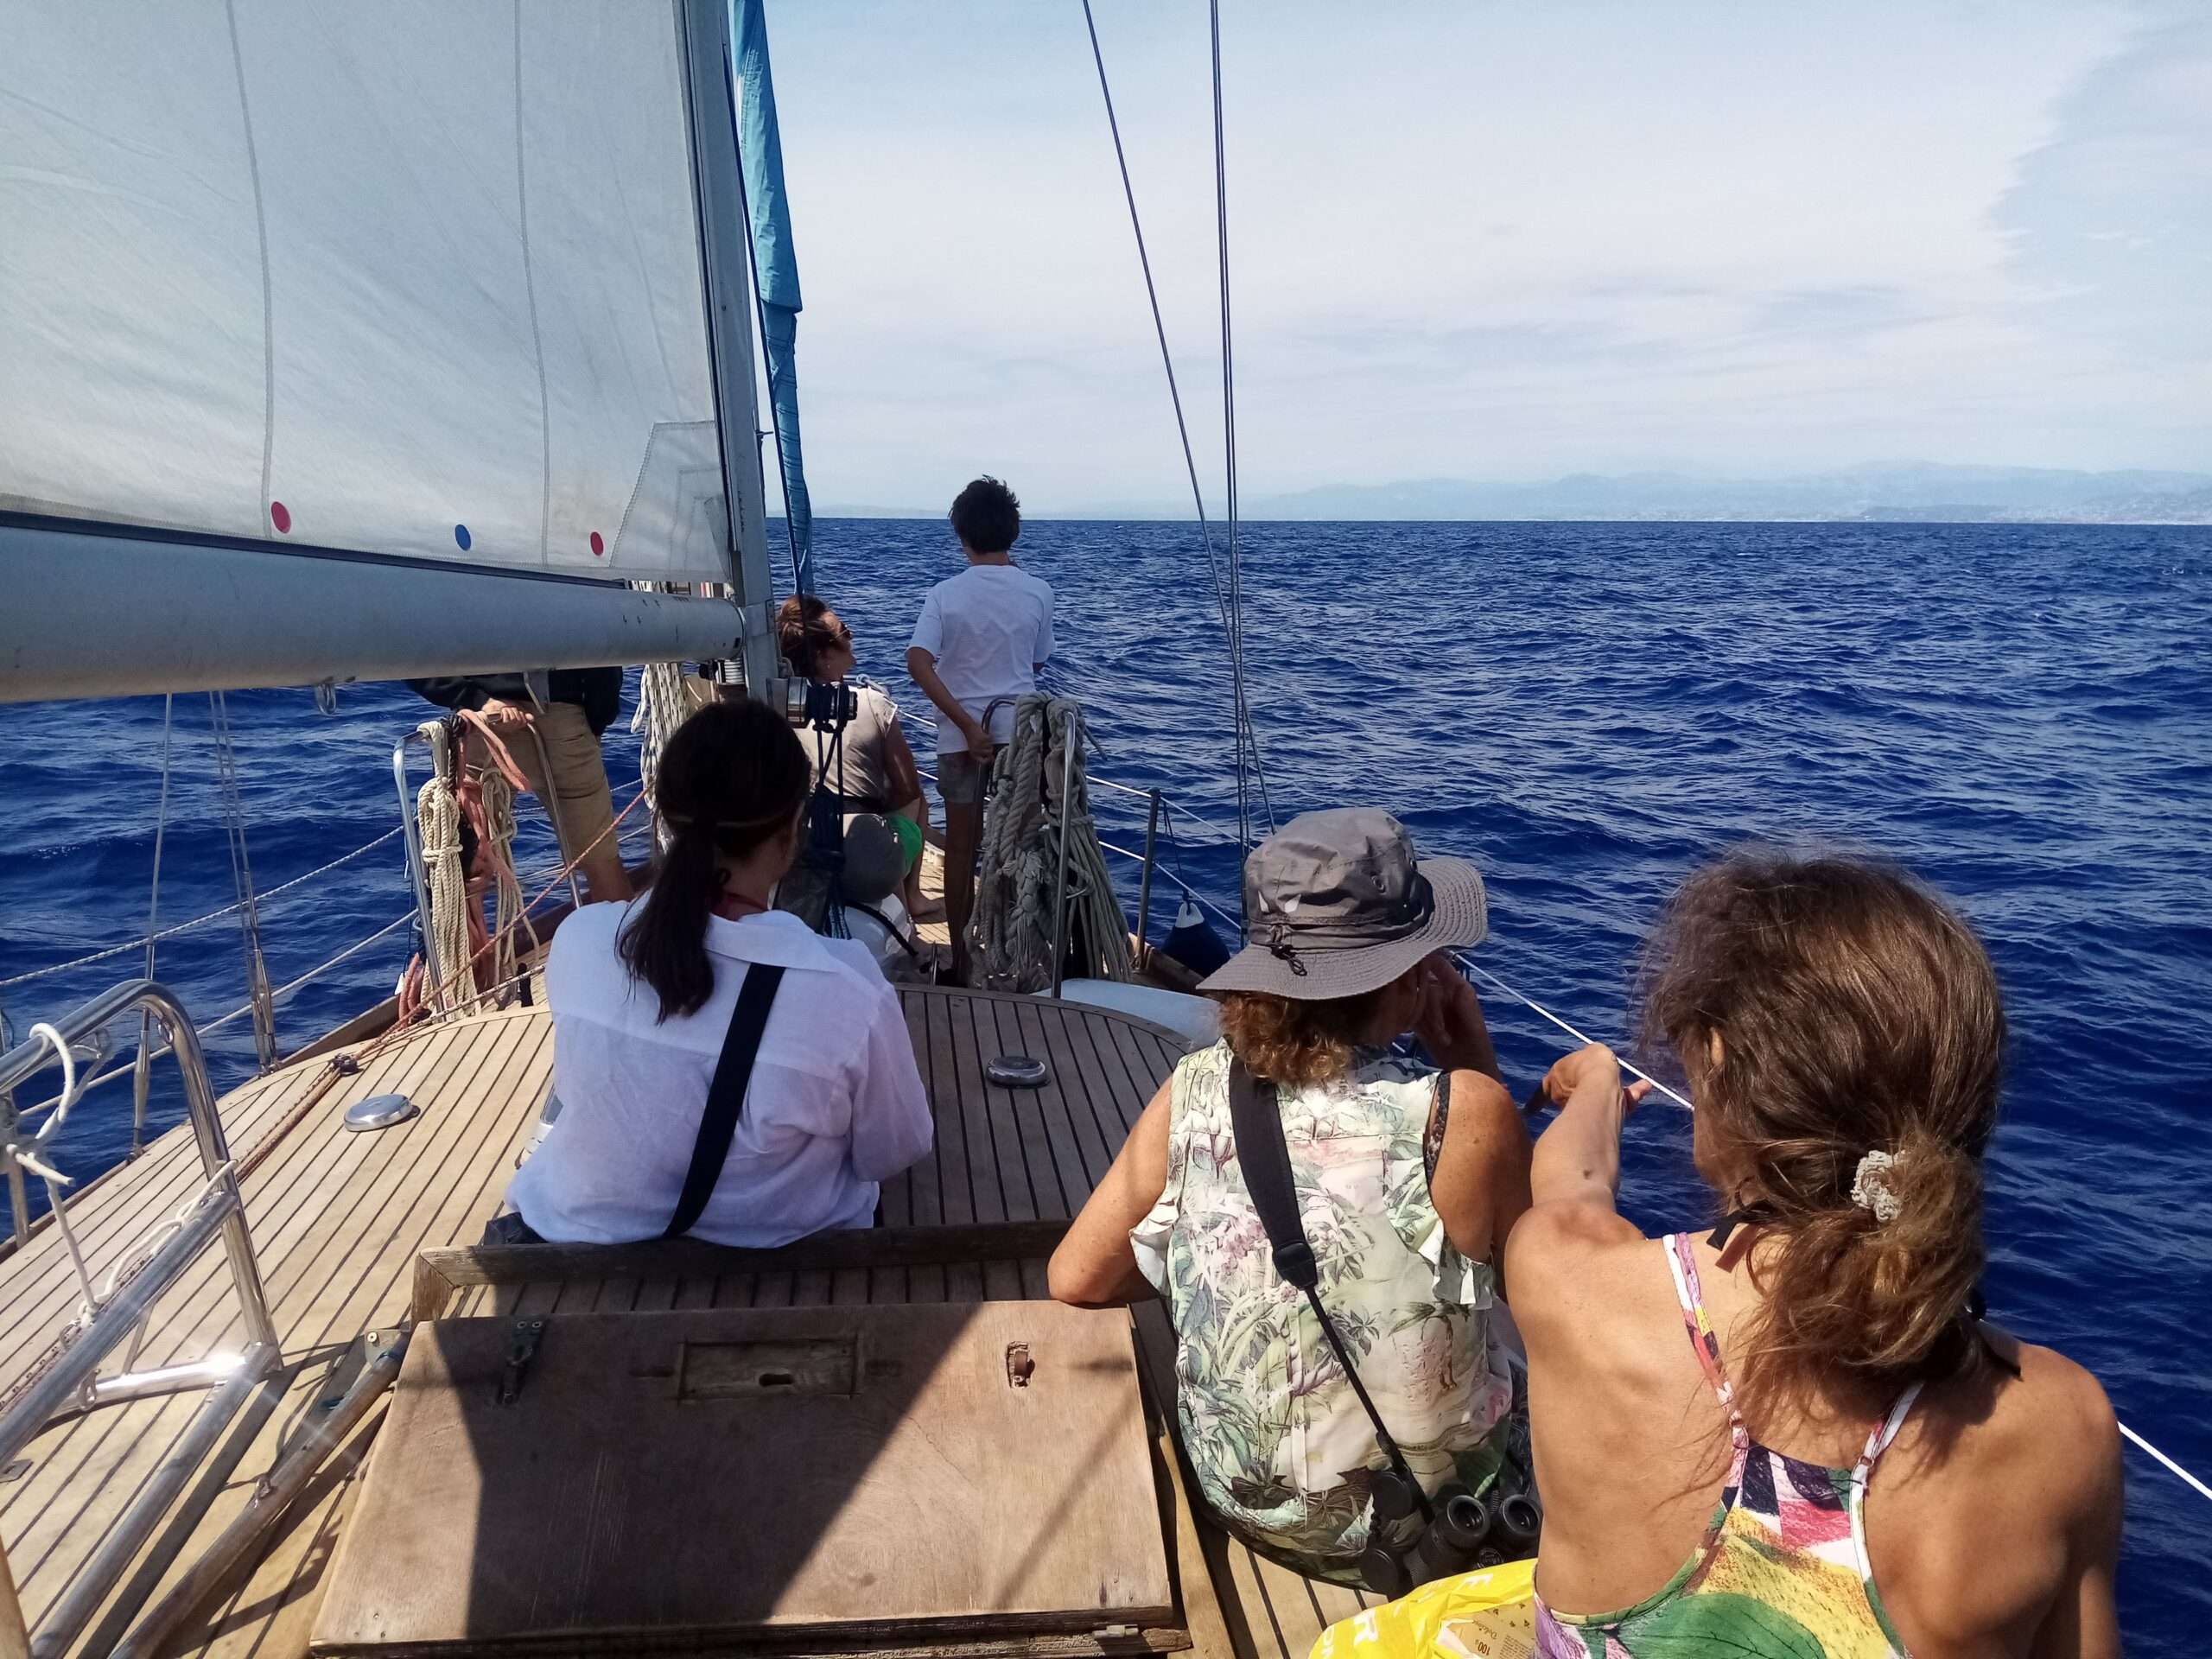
(503, 713)
(1450, 1022)
(1593, 1070)
(980, 744)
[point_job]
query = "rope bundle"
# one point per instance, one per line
(663, 705)
(1020, 859)
(485, 795)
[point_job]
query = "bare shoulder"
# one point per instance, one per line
(1477, 1092)
(1564, 1259)
(2056, 1408)
(2033, 1423)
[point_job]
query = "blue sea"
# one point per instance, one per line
(2021, 714)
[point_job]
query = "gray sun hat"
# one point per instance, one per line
(1337, 906)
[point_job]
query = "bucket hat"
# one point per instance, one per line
(1338, 905)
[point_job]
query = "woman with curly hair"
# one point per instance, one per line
(1408, 1180)
(1793, 1435)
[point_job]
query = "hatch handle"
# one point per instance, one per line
(521, 1349)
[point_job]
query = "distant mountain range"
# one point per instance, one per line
(1899, 492)
(1917, 491)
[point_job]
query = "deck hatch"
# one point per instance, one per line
(861, 1477)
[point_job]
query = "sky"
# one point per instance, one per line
(1496, 241)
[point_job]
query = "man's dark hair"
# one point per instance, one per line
(986, 517)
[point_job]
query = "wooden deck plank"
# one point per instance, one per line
(337, 1219)
(458, 1118)
(998, 1190)
(950, 1155)
(1013, 1028)
(1098, 1126)
(125, 1446)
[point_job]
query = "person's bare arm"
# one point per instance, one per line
(902, 779)
(921, 668)
(1573, 1177)
(1095, 1265)
(1481, 1185)
(1579, 1159)
(2083, 1622)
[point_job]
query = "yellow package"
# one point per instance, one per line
(1491, 1614)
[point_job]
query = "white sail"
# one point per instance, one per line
(414, 278)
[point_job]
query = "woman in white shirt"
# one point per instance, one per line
(652, 999)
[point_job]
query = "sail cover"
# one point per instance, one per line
(415, 277)
(775, 265)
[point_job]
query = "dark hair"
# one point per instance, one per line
(986, 517)
(733, 777)
(1292, 1040)
(1856, 1013)
(805, 627)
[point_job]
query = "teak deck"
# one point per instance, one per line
(339, 1221)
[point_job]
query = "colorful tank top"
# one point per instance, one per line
(1781, 1572)
(1275, 1433)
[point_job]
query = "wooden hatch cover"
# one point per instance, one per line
(847, 1476)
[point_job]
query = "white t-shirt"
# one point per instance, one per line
(988, 628)
(835, 1104)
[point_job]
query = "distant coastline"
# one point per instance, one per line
(1905, 493)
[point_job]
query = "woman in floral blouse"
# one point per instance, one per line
(1408, 1181)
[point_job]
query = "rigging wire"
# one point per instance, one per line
(1225, 596)
(142, 1069)
(1246, 738)
(1159, 326)
(257, 968)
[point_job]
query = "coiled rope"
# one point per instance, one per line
(485, 794)
(1020, 865)
(662, 707)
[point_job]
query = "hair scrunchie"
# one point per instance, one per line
(1871, 1189)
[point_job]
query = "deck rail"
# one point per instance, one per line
(66, 1380)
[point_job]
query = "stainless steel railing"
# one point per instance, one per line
(71, 1384)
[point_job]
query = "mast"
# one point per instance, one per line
(709, 57)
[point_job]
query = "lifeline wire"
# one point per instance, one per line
(1473, 967)
(198, 921)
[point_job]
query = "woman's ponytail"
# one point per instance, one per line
(734, 778)
(665, 945)
(1844, 1034)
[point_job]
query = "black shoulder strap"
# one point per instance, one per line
(726, 1095)
(1255, 1122)
(1263, 1156)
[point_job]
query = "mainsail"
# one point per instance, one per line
(424, 279)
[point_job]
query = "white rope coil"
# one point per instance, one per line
(663, 705)
(439, 811)
(1020, 865)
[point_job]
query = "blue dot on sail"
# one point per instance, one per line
(461, 536)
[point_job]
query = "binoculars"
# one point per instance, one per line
(1462, 1533)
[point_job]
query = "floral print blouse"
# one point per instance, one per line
(1278, 1442)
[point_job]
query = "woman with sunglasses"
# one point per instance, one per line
(868, 765)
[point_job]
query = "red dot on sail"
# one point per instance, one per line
(281, 516)
(598, 547)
